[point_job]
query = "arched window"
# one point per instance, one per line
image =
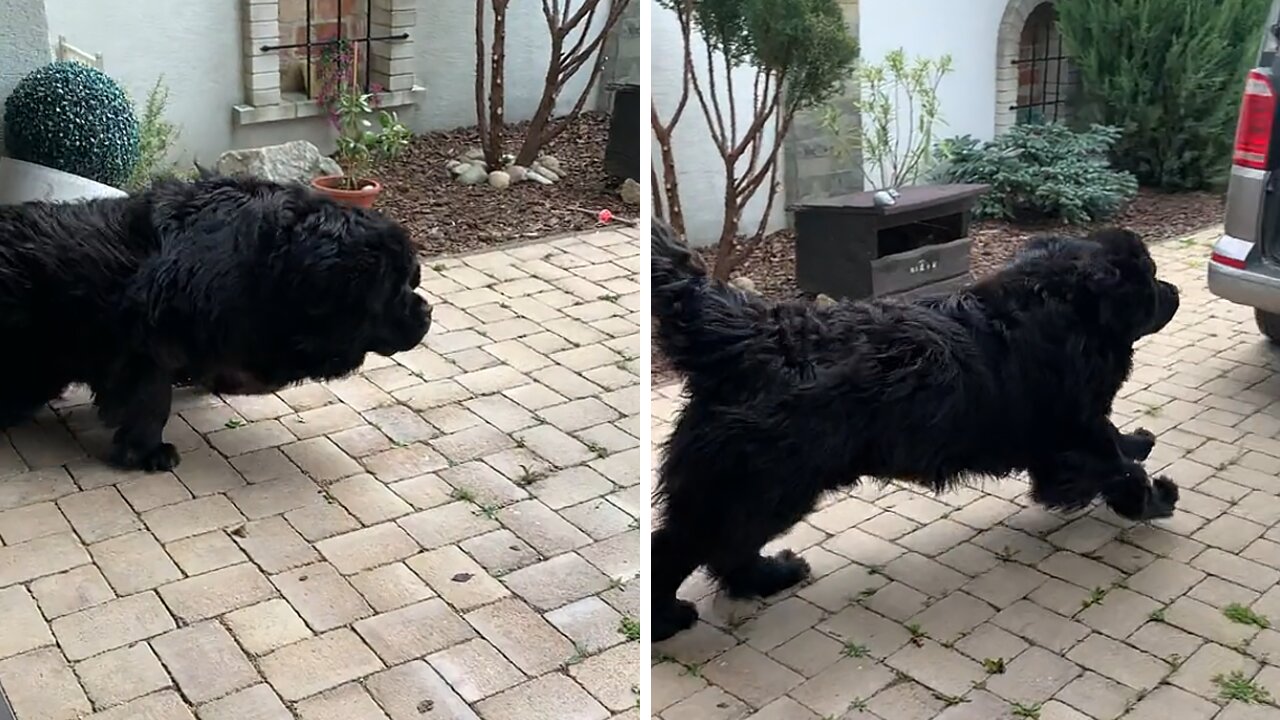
(1044, 78)
(1034, 77)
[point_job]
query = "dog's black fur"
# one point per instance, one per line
(789, 400)
(236, 285)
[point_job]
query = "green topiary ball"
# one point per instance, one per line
(72, 117)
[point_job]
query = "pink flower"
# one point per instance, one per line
(605, 217)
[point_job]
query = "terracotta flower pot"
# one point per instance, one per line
(364, 197)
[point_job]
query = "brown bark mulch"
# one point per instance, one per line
(445, 217)
(1154, 215)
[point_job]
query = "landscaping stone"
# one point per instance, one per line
(630, 192)
(473, 175)
(297, 161)
(499, 179)
(550, 162)
(537, 177)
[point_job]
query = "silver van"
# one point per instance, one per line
(1245, 265)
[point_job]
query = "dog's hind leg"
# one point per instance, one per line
(740, 567)
(754, 575)
(137, 401)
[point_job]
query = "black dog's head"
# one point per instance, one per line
(259, 285)
(1108, 275)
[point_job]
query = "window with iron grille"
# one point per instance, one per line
(313, 31)
(288, 45)
(1044, 73)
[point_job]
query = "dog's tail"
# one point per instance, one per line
(703, 325)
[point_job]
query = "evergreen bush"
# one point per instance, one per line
(1040, 171)
(1169, 74)
(72, 117)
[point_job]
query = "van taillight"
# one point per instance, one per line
(1253, 133)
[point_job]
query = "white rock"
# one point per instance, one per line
(473, 154)
(457, 168)
(550, 162)
(296, 161)
(474, 175)
(882, 198)
(499, 179)
(630, 192)
(824, 300)
(744, 283)
(534, 176)
(545, 172)
(517, 173)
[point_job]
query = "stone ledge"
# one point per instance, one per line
(300, 108)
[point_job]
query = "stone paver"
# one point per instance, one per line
(365, 548)
(979, 605)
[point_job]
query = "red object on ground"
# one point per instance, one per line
(605, 217)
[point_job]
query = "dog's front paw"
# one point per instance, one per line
(1164, 498)
(159, 458)
(767, 576)
(1138, 444)
(671, 618)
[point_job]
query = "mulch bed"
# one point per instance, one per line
(445, 217)
(1154, 215)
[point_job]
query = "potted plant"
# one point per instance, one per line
(361, 142)
(70, 133)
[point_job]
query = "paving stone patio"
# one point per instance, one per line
(451, 534)
(974, 605)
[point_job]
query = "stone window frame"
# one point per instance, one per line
(391, 61)
(1008, 49)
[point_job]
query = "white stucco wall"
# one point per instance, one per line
(446, 62)
(931, 28)
(196, 44)
(23, 46)
(699, 168)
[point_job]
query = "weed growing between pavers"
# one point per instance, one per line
(1237, 613)
(1235, 685)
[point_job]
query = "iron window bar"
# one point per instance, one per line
(1042, 64)
(368, 41)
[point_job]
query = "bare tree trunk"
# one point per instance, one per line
(497, 86)
(670, 192)
(482, 114)
(564, 64)
(662, 136)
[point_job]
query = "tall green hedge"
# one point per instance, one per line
(1169, 74)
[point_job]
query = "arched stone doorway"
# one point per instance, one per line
(1034, 79)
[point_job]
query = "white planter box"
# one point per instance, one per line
(23, 182)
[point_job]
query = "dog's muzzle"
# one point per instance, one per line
(1167, 303)
(405, 329)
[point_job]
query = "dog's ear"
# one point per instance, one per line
(1122, 278)
(1120, 243)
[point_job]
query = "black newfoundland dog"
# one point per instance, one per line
(236, 285)
(788, 400)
